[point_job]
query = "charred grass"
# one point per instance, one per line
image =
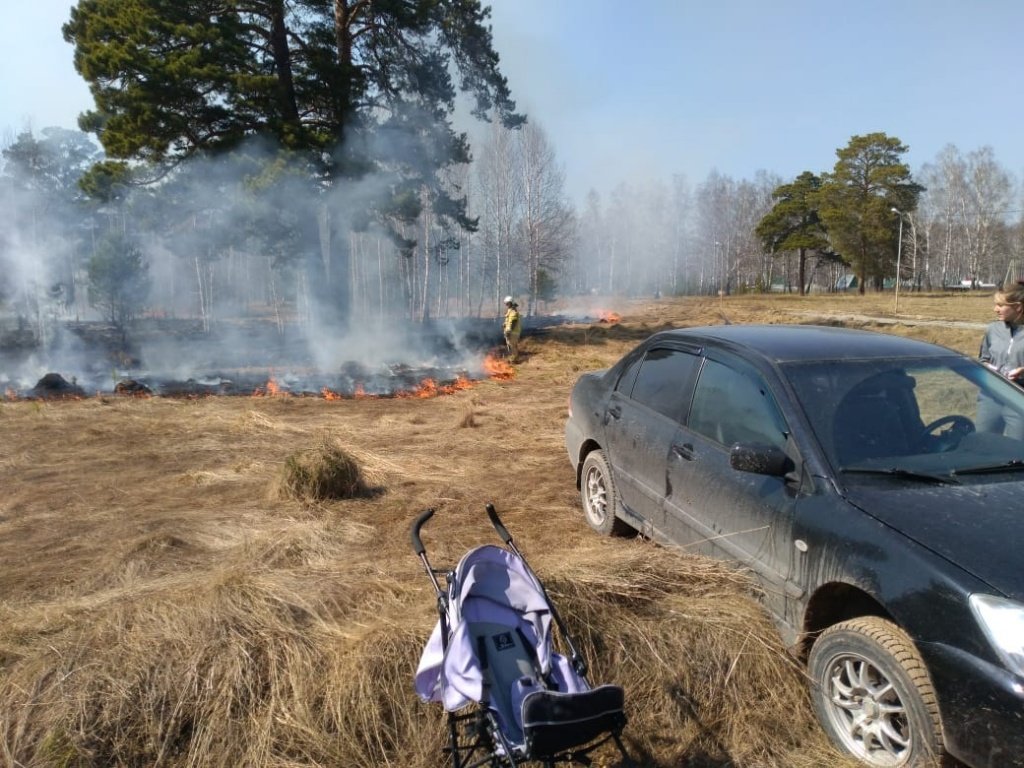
(170, 595)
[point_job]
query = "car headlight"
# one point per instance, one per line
(1003, 622)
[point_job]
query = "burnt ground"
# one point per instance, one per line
(177, 358)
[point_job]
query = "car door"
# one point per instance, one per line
(641, 422)
(721, 511)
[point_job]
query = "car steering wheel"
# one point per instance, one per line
(959, 426)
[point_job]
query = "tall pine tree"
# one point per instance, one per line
(340, 88)
(856, 202)
(793, 223)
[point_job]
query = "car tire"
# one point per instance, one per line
(599, 497)
(874, 696)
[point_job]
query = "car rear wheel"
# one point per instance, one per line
(597, 492)
(874, 696)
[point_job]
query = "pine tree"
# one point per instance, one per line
(340, 88)
(793, 224)
(856, 201)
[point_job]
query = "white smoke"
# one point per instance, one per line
(225, 304)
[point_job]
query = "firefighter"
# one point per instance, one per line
(512, 328)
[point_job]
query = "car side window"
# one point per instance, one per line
(731, 405)
(663, 381)
(628, 376)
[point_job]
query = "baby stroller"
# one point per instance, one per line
(493, 647)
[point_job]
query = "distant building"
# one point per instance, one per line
(847, 283)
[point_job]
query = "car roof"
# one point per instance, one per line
(793, 343)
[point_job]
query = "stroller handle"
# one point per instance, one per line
(417, 543)
(498, 525)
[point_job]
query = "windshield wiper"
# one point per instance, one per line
(900, 472)
(1012, 465)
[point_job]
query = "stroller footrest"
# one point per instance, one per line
(554, 722)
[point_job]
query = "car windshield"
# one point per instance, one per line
(928, 418)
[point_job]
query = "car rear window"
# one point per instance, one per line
(663, 381)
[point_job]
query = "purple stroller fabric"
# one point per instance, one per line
(493, 595)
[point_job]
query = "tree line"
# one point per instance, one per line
(300, 160)
(961, 220)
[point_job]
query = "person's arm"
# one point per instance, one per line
(1015, 359)
(985, 353)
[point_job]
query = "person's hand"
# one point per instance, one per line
(1015, 374)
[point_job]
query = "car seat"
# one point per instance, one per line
(878, 418)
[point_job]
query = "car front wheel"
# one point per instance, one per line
(874, 696)
(597, 492)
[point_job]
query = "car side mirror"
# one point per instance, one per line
(760, 459)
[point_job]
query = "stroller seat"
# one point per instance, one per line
(492, 646)
(542, 714)
(510, 671)
(554, 722)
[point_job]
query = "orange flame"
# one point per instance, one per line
(459, 384)
(607, 316)
(496, 368)
(427, 388)
(330, 394)
(360, 392)
(10, 394)
(271, 390)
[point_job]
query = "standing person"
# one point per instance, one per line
(1002, 350)
(512, 328)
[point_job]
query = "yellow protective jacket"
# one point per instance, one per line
(512, 323)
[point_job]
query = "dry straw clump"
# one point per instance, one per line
(324, 472)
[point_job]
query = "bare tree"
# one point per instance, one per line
(715, 232)
(590, 265)
(619, 230)
(984, 207)
(682, 235)
(753, 264)
(547, 222)
(500, 203)
(965, 215)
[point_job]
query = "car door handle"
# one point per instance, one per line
(614, 411)
(684, 451)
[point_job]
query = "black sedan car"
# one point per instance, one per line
(853, 474)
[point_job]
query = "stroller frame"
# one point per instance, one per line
(534, 704)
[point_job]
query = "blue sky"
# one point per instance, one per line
(628, 91)
(655, 87)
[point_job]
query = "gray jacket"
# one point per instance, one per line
(1002, 347)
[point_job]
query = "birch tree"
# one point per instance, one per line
(500, 204)
(984, 209)
(547, 220)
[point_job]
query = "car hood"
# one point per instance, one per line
(973, 526)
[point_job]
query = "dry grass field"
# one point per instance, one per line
(164, 601)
